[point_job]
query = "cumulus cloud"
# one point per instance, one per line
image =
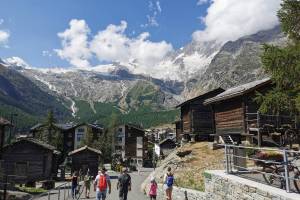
(112, 44)
(231, 19)
(109, 45)
(75, 46)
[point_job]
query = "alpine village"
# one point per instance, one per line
(221, 117)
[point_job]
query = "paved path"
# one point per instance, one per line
(134, 194)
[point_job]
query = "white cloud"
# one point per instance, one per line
(201, 2)
(4, 35)
(154, 9)
(112, 44)
(75, 44)
(17, 61)
(1, 21)
(46, 53)
(231, 19)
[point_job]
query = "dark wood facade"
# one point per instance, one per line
(167, 146)
(231, 108)
(3, 124)
(30, 160)
(197, 118)
(84, 159)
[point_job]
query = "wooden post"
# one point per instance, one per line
(258, 131)
(5, 188)
(2, 130)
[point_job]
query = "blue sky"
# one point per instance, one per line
(85, 33)
(33, 24)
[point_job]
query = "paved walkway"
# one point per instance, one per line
(134, 194)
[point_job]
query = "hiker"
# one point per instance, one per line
(87, 184)
(101, 184)
(124, 184)
(153, 189)
(168, 183)
(74, 184)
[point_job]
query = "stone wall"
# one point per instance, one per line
(221, 186)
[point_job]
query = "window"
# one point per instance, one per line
(80, 130)
(79, 137)
(120, 130)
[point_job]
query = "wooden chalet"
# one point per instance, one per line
(165, 147)
(3, 124)
(196, 118)
(85, 159)
(73, 134)
(29, 160)
(231, 108)
(131, 144)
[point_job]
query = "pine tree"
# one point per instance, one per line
(283, 64)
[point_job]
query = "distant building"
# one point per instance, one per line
(196, 119)
(73, 134)
(165, 147)
(30, 160)
(3, 124)
(131, 143)
(85, 159)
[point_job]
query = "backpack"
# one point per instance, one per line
(170, 180)
(102, 184)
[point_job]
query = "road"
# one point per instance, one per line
(134, 194)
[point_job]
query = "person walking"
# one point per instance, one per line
(124, 184)
(87, 184)
(168, 183)
(153, 189)
(74, 184)
(102, 185)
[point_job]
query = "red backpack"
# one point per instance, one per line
(102, 184)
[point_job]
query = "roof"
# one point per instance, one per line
(238, 91)
(67, 126)
(217, 90)
(85, 148)
(165, 140)
(36, 142)
(134, 126)
(4, 122)
(96, 126)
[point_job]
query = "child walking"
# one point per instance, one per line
(153, 189)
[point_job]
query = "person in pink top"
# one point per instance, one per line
(153, 189)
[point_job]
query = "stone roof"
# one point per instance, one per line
(85, 148)
(36, 142)
(238, 91)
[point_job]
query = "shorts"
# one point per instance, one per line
(152, 196)
(100, 195)
(166, 187)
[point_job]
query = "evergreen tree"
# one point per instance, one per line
(283, 64)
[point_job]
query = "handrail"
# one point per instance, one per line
(278, 168)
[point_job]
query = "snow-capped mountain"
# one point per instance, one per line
(126, 87)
